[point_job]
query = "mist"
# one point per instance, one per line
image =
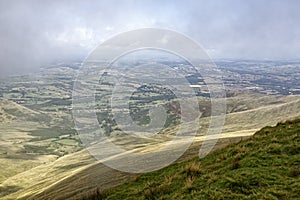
(34, 34)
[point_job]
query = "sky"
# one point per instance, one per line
(36, 33)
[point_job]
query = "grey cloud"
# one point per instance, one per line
(36, 33)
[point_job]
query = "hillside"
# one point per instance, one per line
(266, 166)
(17, 122)
(12, 111)
(49, 175)
(28, 139)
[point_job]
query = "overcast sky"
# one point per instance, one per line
(36, 33)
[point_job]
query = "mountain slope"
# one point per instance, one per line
(70, 176)
(267, 166)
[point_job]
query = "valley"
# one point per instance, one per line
(42, 156)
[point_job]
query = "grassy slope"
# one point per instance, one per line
(30, 184)
(19, 153)
(267, 166)
(16, 122)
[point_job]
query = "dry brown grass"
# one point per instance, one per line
(46, 177)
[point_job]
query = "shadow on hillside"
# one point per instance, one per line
(8, 190)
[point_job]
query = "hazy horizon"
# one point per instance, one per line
(35, 33)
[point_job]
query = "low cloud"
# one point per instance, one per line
(37, 33)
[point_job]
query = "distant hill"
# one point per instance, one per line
(266, 166)
(11, 111)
